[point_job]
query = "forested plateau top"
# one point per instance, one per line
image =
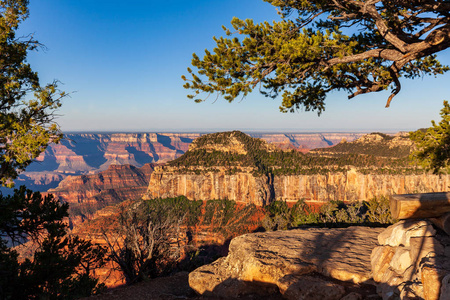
(88, 153)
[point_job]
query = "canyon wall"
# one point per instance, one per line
(306, 141)
(84, 152)
(88, 153)
(86, 188)
(355, 186)
(88, 193)
(166, 182)
(245, 187)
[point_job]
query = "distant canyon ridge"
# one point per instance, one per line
(90, 153)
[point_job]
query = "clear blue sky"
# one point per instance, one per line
(124, 60)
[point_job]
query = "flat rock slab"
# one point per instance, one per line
(261, 261)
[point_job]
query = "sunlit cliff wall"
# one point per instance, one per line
(247, 188)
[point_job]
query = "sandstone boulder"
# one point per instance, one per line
(401, 232)
(279, 259)
(309, 288)
(422, 246)
(411, 263)
(380, 259)
(445, 288)
(401, 260)
(433, 271)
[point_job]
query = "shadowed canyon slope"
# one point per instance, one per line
(234, 166)
(85, 153)
(88, 153)
(88, 193)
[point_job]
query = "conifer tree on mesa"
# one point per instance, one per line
(322, 46)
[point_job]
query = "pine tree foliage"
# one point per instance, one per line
(26, 107)
(323, 46)
(60, 265)
(433, 144)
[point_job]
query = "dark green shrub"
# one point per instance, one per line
(378, 211)
(279, 216)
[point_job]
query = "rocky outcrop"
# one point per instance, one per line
(246, 187)
(243, 187)
(88, 193)
(235, 166)
(354, 186)
(300, 263)
(412, 261)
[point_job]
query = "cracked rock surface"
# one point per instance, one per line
(290, 261)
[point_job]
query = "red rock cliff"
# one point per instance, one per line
(88, 193)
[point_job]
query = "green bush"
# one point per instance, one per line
(378, 211)
(279, 216)
(180, 207)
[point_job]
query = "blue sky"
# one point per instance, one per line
(123, 61)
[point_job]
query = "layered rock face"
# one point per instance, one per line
(39, 181)
(237, 167)
(354, 186)
(88, 193)
(289, 261)
(167, 182)
(87, 153)
(259, 190)
(84, 153)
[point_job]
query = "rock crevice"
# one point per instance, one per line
(297, 263)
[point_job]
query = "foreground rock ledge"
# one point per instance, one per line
(282, 260)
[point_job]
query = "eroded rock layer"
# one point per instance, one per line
(354, 186)
(88, 193)
(84, 153)
(288, 261)
(235, 166)
(259, 190)
(240, 187)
